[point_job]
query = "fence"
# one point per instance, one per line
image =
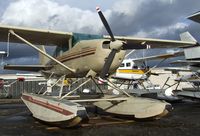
(14, 88)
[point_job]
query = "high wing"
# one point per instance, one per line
(33, 68)
(35, 36)
(141, 43)
(162, 56)
(195, 17)
(48, 37)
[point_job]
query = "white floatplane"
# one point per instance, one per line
(85, 56)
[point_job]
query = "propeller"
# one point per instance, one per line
(115, 46)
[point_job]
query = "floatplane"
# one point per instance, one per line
(133, 74)
(90, 57)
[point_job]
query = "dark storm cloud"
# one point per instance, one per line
(158, 16)
(22, 54)
(154, 14)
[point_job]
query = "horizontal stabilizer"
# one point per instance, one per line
(34, 68)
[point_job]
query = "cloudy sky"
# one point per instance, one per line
(164, 19)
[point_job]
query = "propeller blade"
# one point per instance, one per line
(105, 23)
(107, 64)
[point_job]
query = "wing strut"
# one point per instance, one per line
(36, 48)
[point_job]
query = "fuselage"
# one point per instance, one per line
(131, 71)
(86, 55)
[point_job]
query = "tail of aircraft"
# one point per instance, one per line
(193, 52)
(186, 36)
(42, 59)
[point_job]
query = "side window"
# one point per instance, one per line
(135, 67)
(106, 45)
(128, 64)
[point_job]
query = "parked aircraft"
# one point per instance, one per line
(192, 61)
(83, 56)
(133, 74)
(191, 54)
(136, 68)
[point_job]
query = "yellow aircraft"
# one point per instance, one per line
(83, 56)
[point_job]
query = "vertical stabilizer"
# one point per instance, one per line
(42, 59)
(193, 52)
(186, 36)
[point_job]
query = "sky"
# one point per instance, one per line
(164, 19)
